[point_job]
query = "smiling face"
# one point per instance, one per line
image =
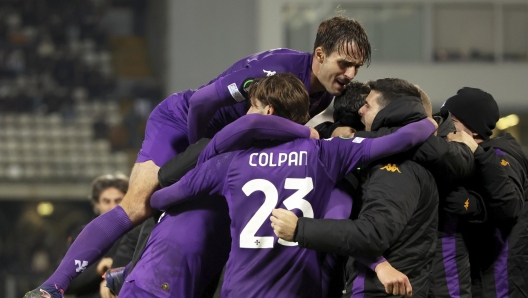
(370, 109)
(336, 70)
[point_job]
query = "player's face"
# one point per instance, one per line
(370, 109)
(108, 199)
(460, 126)
(257, 107)
(337, 70)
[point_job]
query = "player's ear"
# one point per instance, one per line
(319, 54)
(271, 110)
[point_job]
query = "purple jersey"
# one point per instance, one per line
(298, 176)
(191, 114)
(231, 88)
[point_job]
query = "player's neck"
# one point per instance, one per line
(315, 84)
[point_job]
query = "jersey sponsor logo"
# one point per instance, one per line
(466, 204)
(357, 140)
(391, 168)
(504, 163)
(233, 89)
(81, 265)
(269, 73)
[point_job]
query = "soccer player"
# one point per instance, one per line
(298, 175)
(191, 243)
(340, 49)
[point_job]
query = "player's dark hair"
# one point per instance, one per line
(285, 93)
(103, 182)
(347, 105)
(337, 33)
(392, 88)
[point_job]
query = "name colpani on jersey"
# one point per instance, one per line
(274, 159)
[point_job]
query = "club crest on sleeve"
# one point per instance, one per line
(391, 168)
(81, 265)
(246, 84)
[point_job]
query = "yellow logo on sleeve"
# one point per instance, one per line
(504, 163)
(391, 168)
(466, 204)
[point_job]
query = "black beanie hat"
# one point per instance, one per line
(476, 109)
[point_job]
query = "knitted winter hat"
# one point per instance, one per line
(476, 109)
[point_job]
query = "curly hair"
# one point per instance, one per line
(347, 105)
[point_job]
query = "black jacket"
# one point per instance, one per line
(499, 247)
(398, 216)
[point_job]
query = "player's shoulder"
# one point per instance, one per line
(279, 55)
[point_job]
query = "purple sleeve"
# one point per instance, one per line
(207, 178)
(229, 89)
(401, 140)
(240, 134)
(203, 104)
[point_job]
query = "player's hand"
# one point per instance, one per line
(104, 291)
(104, 265)
(463, 137)
(343, 131)
(395, 282)
(284, 223)
(314, 134)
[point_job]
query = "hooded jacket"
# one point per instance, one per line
(397, 218)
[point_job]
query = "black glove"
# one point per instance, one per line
(463, 202)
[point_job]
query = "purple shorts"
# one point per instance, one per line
(165, 134)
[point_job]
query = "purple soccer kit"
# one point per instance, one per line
(183, 266)
(179, 118)
(298, 176)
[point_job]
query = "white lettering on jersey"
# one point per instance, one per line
(357, 140)
(81, 265)
(233, 89)
(264, 159)
(269, 73)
